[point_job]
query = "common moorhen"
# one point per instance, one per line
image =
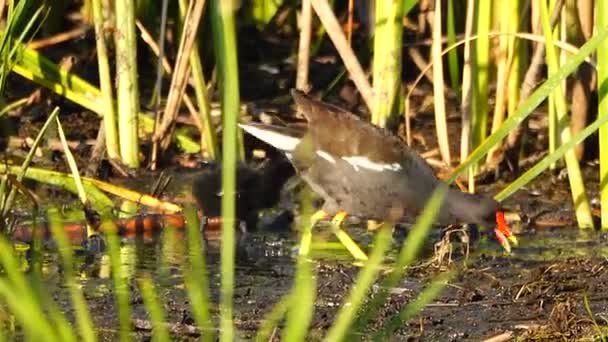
(364, 170)
(256, 188)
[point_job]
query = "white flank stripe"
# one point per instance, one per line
(364, 162)
(281, 141)
(326, 156)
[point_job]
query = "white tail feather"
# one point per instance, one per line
(272, 137)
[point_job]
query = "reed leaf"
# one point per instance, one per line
(601, 17)
(532, 102)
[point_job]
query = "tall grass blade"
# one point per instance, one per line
(409, 250)
(28, 160)
(121, 287)
(410, 310)
(126, 82)
(270, 321)
(532, 102)
(601, 17)
(196, 277)
(387, 60)
(481, 66)
(224, 39)
(360, 288)
(452, 55)
(552, 158)
(303, 293)
(155, 310)
(83, 317)
(105, 82)
(577, 186)
(441, 122)
(21, 299)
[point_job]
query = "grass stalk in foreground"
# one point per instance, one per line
(365, 279)
(601, 17)
(196, 278)
(17, 293)
(121, 288)
(224, 40)
(409, 250)
(409, 311)
(552, 158)
(155, 310)
(83, 317)
(8, 204)
(452, 55)
(303, 292)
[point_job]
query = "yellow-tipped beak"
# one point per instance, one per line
(503, 240)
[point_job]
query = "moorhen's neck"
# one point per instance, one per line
(471, 208)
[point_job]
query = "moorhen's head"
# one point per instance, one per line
(482, 210)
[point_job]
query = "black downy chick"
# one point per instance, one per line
(256, 188)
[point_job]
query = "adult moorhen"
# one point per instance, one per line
(364, 170)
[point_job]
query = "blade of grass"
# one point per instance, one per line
(552, 158)
(409, 250)
(121, 288)
(441, 123)
(410, 310)
(21, 298)
(196, 278)
(360, 288)
(27, 313)
(155, 310)
(532, 102)
(388, 37)
(601, 17)
(577, 186)
(28, 159)
(224, 40)
(127, 92)
(480, 68)
(270, 321)
(105, 82)
(452, 55)
(83, 317)
(598, 330)
(302, 304)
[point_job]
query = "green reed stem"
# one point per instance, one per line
(83, 317)
(532, 102)
(601, 16)
(224, 39)
(121, 287)
(409, 250)
(196, 277)
(126, 80)
(155, 310)
(577, 186)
